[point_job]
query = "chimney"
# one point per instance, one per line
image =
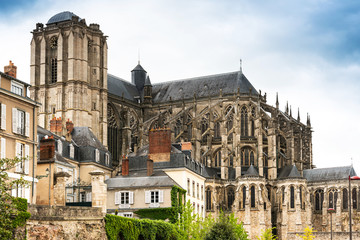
(125, 166)
(10, 69)
(160, 144)
(69, 129)
(56, 126)
(150, 167)
(47, 148)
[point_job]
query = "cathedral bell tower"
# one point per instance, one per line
(69, 72)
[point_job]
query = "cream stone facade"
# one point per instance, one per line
(256, 159)
(18, 126)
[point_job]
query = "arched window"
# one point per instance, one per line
(218, 159)
(231, 162)
(302, 198)
(230, 124)
(319, 199)
(230, 198)
(114, 139)
(332, 198)
(204, 127)
(292, 197)
(247, 156)
(252, 194)
(354, 198)
(345, 200)
(244, 122)
(252, 127)
(208, 200)
(243, 196)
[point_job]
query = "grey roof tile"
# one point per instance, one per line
(328, 174)
(251, 172)
(289, 172)
(121, 87)
(83, 136)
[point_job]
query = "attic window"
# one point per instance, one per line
(97, 155)
(71, 148)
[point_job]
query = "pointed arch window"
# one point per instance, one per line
(354, 198)
(292, 197)
(247, 156)
(243, 196)
(208, 199)
(230, 124)
(252, 194)
(332, 198)
(230, 198)
(204, 127)
(231, 162)
(244, 122)
(217, 130)
(345, 201)
(319, 199)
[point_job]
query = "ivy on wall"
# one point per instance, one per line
(133, 229)
(177, 199)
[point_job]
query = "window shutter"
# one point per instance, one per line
(14, 120)
(131, 197)
(26, 163)
(117, 198)
(27, 124)
(3, 117)
(147, 196)
(161, 196)
(3, 148)
(88, 197)
(18, 165)
(27, 194)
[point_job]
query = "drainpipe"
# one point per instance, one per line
(34, 156)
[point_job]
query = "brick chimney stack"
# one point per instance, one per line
(47, 148)
(10, 69)
(160, 144)
(125, 166)
(56, 126)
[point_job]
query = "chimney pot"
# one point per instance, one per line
(10, 69)
(125, 167)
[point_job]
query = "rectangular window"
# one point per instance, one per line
(193, 188)
(21, 122)
(198, 189)
(154, 196)
(188, 186)
(124, 198)
(202, 192)
(17, 88)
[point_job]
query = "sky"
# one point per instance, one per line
(306, 51)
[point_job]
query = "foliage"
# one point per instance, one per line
(13, 211)
(171, 213)
(267, 234)
(132, 229)
(308, 234)
(191, 226)
(155, 213)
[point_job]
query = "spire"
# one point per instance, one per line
(147, 81)
(138, 56)
(240, 65)
(290, 111)
(277, 101)
(287, 108)
(298, 118)
(308, 123)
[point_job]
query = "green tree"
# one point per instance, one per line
(308, 234)
(12, 210)
(267, 235)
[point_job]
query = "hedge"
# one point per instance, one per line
(133, 229)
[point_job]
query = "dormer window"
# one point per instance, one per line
(17, 88)
(71, 148)
(107, 160)
(59, 147)
(97, 155)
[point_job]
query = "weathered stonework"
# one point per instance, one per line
(65, 223)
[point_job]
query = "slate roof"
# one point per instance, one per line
(121, 87)
(83, 137)
(329, 174)
(201, 86)
(139, 68)
(251, 172)
(138, 179)
(61, 17)
(289, 172)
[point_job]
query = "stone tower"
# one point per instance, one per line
(69, 72)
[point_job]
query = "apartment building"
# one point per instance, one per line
(18, 127)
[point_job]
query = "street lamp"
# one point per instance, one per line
(350, 200)
(331, 211)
